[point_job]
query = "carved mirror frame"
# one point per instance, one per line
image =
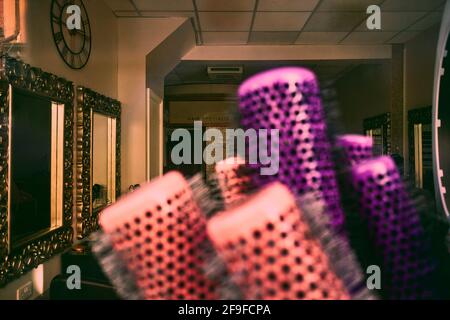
(15, 261)
(89, 101)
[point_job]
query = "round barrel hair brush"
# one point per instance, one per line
(288, 100)
(270, 252)
(233, 180)
(355, 148)
(159, 231)
(396, 230)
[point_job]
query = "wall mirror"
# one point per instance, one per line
(98, 157)
(36, 156)
(379, 128)
(420, 148)
(441, 116)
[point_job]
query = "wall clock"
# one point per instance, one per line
(73, 44)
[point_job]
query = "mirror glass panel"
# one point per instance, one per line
(98, 163)
(36, 167)
(36, 140)
(379, 128)
(103, 160)
(377, 136)
(420, 148)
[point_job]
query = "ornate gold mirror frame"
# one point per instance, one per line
(17, 259)
(89, 102)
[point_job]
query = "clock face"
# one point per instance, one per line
(73, 43)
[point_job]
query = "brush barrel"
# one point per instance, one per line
(234, 184)
(355, 148)
(269, 251)
(288, 100)
(160, 232)
(395, 226)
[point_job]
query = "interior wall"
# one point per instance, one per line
(229, 90)
(420, 58)
(364, 92)
(209, 103)
(137, 38)
(8, 8)
(2, 20)
(100, 74)
(163, 59)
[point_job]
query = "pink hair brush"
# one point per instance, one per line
(233, 182)
(159, 232)
(271, 251)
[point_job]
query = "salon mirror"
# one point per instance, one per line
(36, 167)
(379, 128)
(441, 116)
(420, 148)
(98, 158)
(103, 160)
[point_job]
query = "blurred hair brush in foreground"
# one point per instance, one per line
(291, 238)
(288, 100)
(273, 250)
(159, 231)
(396, 229)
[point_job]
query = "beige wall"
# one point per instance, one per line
(137, 39)
(133, 51)
(217, 112)
(160, 62)
(40, 276)
(364, 92)
(420, 57)
(229, 90)
(187, 104)
(100, 74)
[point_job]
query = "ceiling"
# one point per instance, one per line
(256, 22)
(195, 72)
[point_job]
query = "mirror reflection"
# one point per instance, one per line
(378, 140)
(36, 170)
(103, 160)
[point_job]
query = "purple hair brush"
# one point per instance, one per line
(288, 99)
(396, 230)
(355, 148)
